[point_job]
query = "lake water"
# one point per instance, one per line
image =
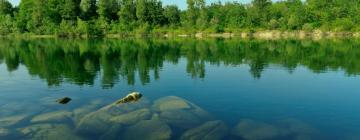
(192, 89)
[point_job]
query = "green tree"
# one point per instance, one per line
(6, 24)
(6, 8)
(108, 9)
(260, 12)
(88, 9)
(54, 11)
(141, 10)
(172, 15)
(70, 9)
(202, 20)
(23, 16)
(155, 13)
(191, 12)
(127, 11)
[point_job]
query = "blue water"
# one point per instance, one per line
(326, 101)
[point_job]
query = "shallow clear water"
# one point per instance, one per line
(284, 89)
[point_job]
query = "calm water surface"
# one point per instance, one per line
(221, 89)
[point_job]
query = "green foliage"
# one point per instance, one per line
(69, 10)
(5, 7)
(108, 9)
(127, 13)
(143, 30)
(6, 24)
(172, 15)
(344, 24)
(66, 29)
(308, 27)
(88, 9)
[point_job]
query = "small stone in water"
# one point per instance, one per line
(132, 97)
(64, 100)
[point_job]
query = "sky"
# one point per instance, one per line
(180, 3)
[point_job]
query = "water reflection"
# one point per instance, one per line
(80, 61)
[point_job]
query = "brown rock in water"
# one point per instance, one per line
(132, 97)
(64, 100)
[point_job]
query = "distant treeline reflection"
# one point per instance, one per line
(81, 61)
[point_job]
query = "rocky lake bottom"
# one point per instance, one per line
(166, 118)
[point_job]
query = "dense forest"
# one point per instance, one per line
(101, 17)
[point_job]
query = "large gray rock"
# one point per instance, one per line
(148, 130)
(99, 122)
(57, 116)
(179, 112)
(212, 130)
(48, 132)
(252, 130)
(12, 120)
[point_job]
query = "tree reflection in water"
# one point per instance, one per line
(80, 61)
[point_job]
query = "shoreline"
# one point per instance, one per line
(266, 35)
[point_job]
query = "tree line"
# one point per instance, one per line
(101, 17)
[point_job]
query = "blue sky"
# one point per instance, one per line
(180, 3)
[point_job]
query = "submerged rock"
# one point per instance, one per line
(180, 113)
(99, 122)
(212, 130)
(170, 103)
(4, 132)
(148, 130)
(64, 100)
(181, 119)
(252, 130)
(12, 120)
(132, 117)
(132, 97)
(49, 132)
(139, 120)
(297, 130)
(81, 111)
(284, 129)
(113, 132)
(58, 116)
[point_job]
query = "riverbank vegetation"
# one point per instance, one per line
(97, 18)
